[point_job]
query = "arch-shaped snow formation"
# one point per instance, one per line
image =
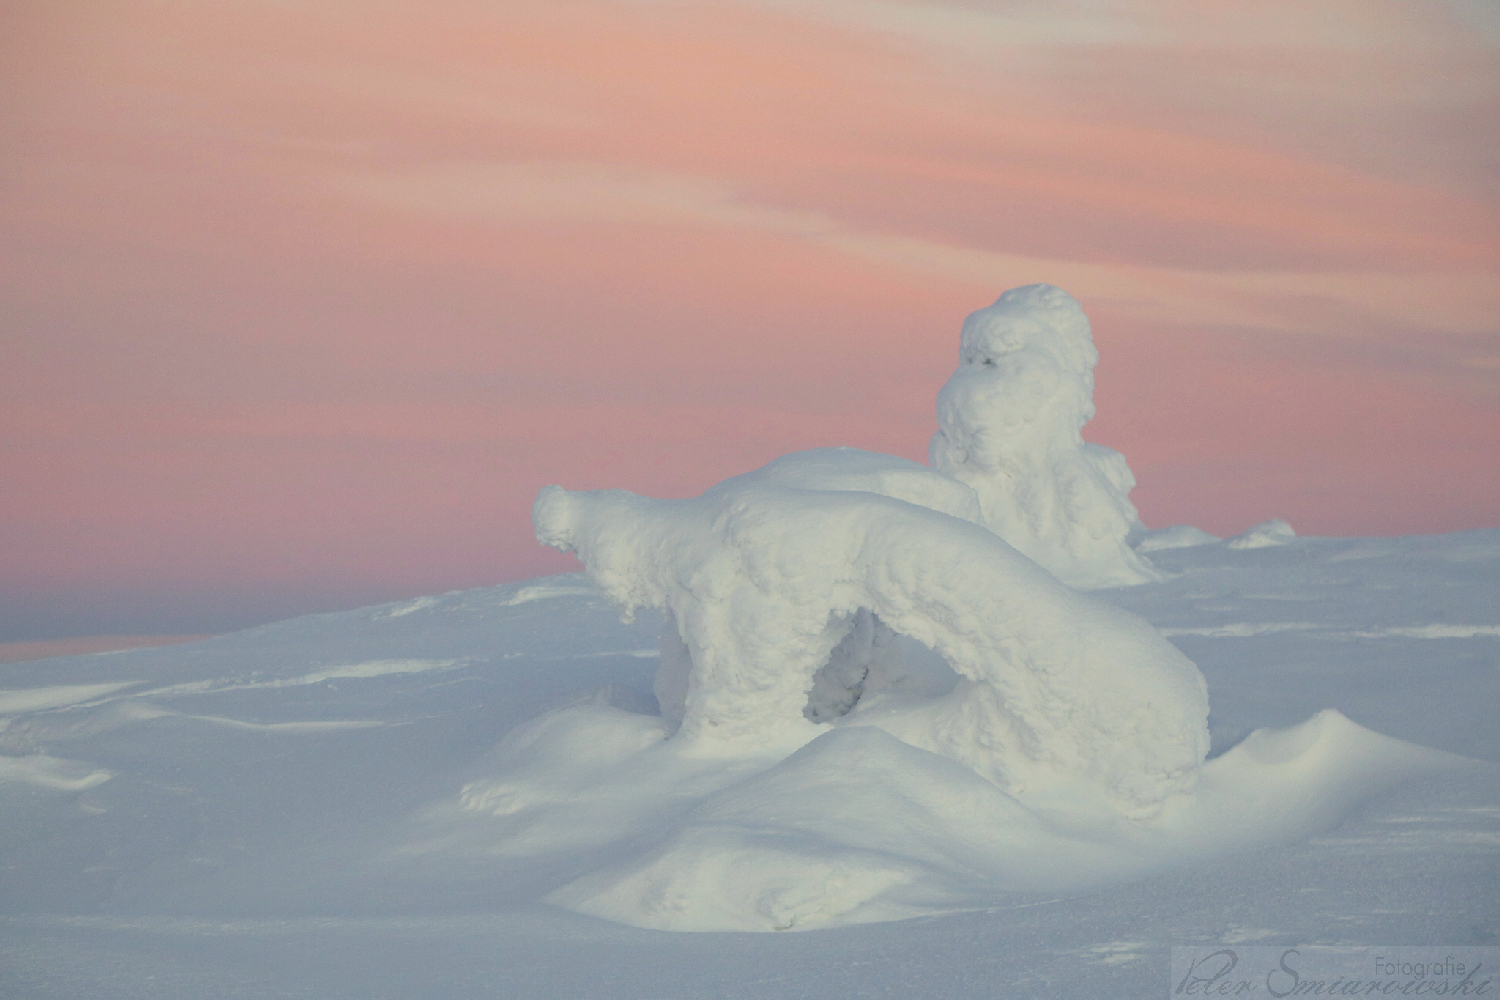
(1009, 425)
(767, 573)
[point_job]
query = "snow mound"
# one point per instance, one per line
(858, 826)
(1010, 425)
(1264, 535)
(1178, 536)
(1285, 785)
(789, 601)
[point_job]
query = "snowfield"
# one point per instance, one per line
(154, 850)
(971, 729)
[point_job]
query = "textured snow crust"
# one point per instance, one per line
(1010, 423)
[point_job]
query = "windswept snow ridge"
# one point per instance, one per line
(55, 696)
(1009, 425)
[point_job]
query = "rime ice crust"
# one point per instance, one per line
(1009, 425)
(788, 585)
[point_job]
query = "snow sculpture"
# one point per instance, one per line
(1010, 421)
(787, 587)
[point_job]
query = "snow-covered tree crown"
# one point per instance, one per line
(1010, 423)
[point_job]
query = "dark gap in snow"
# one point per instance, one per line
(838, 684)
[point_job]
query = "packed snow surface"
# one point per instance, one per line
(391, 834)
(1010, 424)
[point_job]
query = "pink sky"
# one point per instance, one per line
(304, 301)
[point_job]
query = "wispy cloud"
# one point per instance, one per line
(1449, 301)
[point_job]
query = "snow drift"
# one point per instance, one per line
(858, 826)
(1010, 424)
